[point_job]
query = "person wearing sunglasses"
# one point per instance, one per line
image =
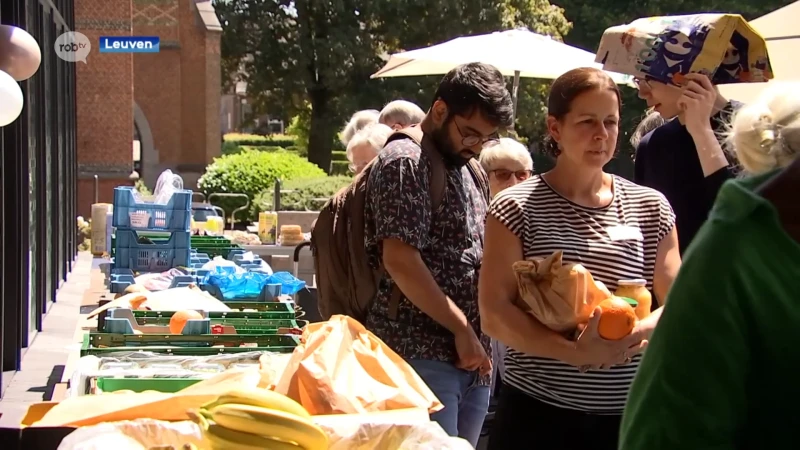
(507, 162)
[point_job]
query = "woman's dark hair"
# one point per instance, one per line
(477, 85)
(566, 88)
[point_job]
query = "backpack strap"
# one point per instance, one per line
(438, 185)
(480, 177)
(438, 181)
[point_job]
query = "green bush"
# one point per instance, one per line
(251, 172)
(340, 167)
(308, 194)
(262, 148)
(275, 140)
(338, 156)
(299, 126)
(299, 151)
(230, 148)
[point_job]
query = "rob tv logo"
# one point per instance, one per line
(73, 47)
(129, 44)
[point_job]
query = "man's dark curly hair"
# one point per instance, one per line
(477, 85)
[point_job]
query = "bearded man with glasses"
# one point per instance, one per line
(425, 209)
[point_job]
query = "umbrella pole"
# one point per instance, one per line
(514, 97)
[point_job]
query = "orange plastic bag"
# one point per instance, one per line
(341, 368)
(559, 295)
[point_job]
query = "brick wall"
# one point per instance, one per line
(104, 100)
(158, 79)
(177, 90)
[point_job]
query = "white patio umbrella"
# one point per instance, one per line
(515, 53)
(781, 31)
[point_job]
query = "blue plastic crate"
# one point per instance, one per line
(130, 254)
(120, 279)
(174, 216)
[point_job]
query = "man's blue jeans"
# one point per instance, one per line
(465, 403)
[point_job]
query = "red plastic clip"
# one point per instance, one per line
(217, 329)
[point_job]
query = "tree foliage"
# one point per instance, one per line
(323, 53)
(296, 53)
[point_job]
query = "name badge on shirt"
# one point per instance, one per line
(625, 233)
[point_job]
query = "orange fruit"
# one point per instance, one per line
(178, 320)
(617, 320)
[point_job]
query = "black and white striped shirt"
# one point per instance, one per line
(546, 222)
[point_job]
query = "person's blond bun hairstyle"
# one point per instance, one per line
(766, 133)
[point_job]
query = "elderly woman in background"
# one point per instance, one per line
(507, 163)
(357, 122)
(365, 145)
(399, 114)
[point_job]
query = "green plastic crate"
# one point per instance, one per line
(216, 251)
(206, 238)
(266, 311)
(105, 343)
(168, 385)
(213, 245)
(243, 326)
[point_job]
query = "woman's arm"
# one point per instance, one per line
(497, 290)
(668, 262)
(504, 321)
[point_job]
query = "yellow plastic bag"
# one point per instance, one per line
(722, 46)
(341, 368)
(559, 295)
(94, 409)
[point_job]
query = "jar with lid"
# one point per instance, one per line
(637, 290)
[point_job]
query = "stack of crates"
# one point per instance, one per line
(132, 216)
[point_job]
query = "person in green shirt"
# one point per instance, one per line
(720, 371)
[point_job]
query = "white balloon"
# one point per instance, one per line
(10, 99)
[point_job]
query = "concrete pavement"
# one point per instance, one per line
(52, 349)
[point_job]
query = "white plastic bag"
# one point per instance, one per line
(387, 430)
(166, 185)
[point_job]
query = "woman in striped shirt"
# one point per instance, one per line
(617, 230)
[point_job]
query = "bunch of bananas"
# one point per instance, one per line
(255, 418)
